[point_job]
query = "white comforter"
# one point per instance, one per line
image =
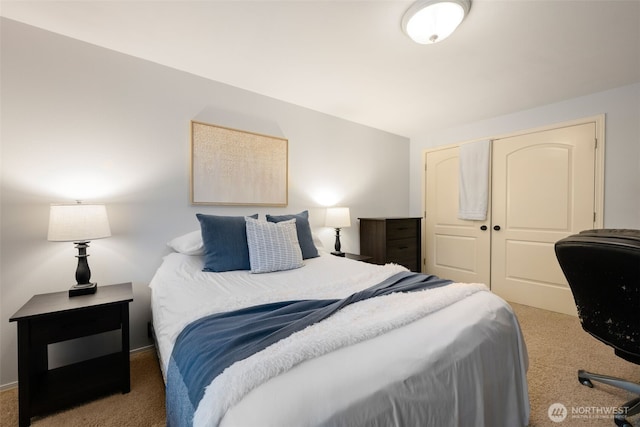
(466, 358)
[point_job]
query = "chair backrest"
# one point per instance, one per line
(603, 271)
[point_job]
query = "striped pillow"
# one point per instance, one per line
(273, 246)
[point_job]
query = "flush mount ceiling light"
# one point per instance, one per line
(431, 21)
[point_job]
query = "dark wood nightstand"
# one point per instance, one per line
(55, 317)
(357, 257)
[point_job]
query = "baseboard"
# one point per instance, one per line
(8, 386)
(150, 347)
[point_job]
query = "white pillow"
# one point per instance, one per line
(188, 244)
(273, 246)
(317, 242)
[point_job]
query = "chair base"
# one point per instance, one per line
(627, 409)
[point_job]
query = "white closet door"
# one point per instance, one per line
(454, 249)
(543, 190)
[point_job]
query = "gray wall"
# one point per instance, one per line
(79, 121)
(622, 153)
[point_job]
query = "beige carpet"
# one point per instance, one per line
(558, 347)
(556, 343)
(142, 406)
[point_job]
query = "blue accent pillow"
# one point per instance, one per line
(225, 242)
(303, 228)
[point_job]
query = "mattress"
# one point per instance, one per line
(462, 364)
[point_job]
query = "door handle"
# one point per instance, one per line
(483, 228)
(496, 227)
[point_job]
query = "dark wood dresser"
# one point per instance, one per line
(396, 240)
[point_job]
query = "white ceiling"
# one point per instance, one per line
(351, 59)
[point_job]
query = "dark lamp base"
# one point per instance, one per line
(338, 253)
(86, 289)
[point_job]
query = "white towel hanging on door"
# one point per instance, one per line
(473, 182)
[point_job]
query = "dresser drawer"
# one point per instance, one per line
(401, 229)
(410, 263)
(402, 248)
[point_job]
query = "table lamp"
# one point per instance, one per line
(79, 223)
(338, 218)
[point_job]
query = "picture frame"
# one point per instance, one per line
(236, 167)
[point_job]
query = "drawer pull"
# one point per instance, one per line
(403, 247)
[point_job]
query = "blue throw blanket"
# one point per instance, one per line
(206, 347)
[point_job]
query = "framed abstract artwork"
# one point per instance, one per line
(235, 167)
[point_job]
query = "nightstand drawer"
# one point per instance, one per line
(401, 229)
(75, 324)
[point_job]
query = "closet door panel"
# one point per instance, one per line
(543, 190)
(454, 249)
(538, 180)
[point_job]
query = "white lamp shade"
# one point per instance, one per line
(78, 223)
(338, 218)
(431, 21)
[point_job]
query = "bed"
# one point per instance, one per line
(446, 355)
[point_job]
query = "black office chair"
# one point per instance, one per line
(603, 271)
